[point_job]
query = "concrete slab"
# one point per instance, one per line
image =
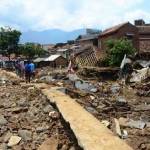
(90, 133)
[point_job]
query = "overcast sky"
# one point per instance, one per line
(70, 14)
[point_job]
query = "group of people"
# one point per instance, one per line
(25, 69)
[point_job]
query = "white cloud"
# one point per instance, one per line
(68, 14)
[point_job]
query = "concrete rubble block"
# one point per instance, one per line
(59, 83)
(48, 108)
(136, 124)
(23, 102)
(121, 101)
(124, 134)
(131, 123)
(92, 97)
(91, 110)
(31, 89)
(47, 78)
(3, 146)
(14, 140)
(54, 115)
(117, 127)
(142, 108)
(42, 129)
(3, 121)
(115, 88)
(106, 123)
(25, 135)
(7, 137)
(85, 86)
(148, 124)
(49, 144)
(140, 75)
(123, 122)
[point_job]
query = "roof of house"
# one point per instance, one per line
(38, 60)
(144, 29)
(113, 29)
(52, 58)
(62, 50)
(88, 37)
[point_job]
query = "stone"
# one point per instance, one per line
(123, 121)
(59, 83)
(106, 123)
(115, 88)
(92, 97)
(54, 115)
(25, 135)
(3, 146)
(30, 89)
(42, 129)
(64, 147)
(48, 108)
(148, 124)
(14, 140)
(124, 134)
(136, 124)
(7, 94)
(91, 110)
(50, 144)
(19, 109)
(121, 101)
(7, 137)
(23, 102)
(3, 121)
(142, 108)
(94, 90)
(72, 148)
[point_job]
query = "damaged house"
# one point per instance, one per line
(124, 30)
(144, 35)
(90, 38)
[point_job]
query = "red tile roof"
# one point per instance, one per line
(113, 29)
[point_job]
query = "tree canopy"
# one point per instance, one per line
(116, 49)
(9, 39)
(31, 50)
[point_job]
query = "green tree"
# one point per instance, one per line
(116, 49)
(9, 39)
(30, 50)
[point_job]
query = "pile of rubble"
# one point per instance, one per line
(27, 119)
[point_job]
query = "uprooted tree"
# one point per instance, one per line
(9, 39)
(116, 49)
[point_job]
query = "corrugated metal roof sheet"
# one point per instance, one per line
(52, 58)
(62, 50)
(39, 60)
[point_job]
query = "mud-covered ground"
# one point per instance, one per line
(129, 105)
(27, 114)
(115, 100)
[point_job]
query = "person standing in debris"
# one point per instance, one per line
(22, 68)
(28, 72)
(17, 67)
(32, 66)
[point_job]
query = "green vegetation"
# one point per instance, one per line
(9, 39)
(31, 50)
(116, 51)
